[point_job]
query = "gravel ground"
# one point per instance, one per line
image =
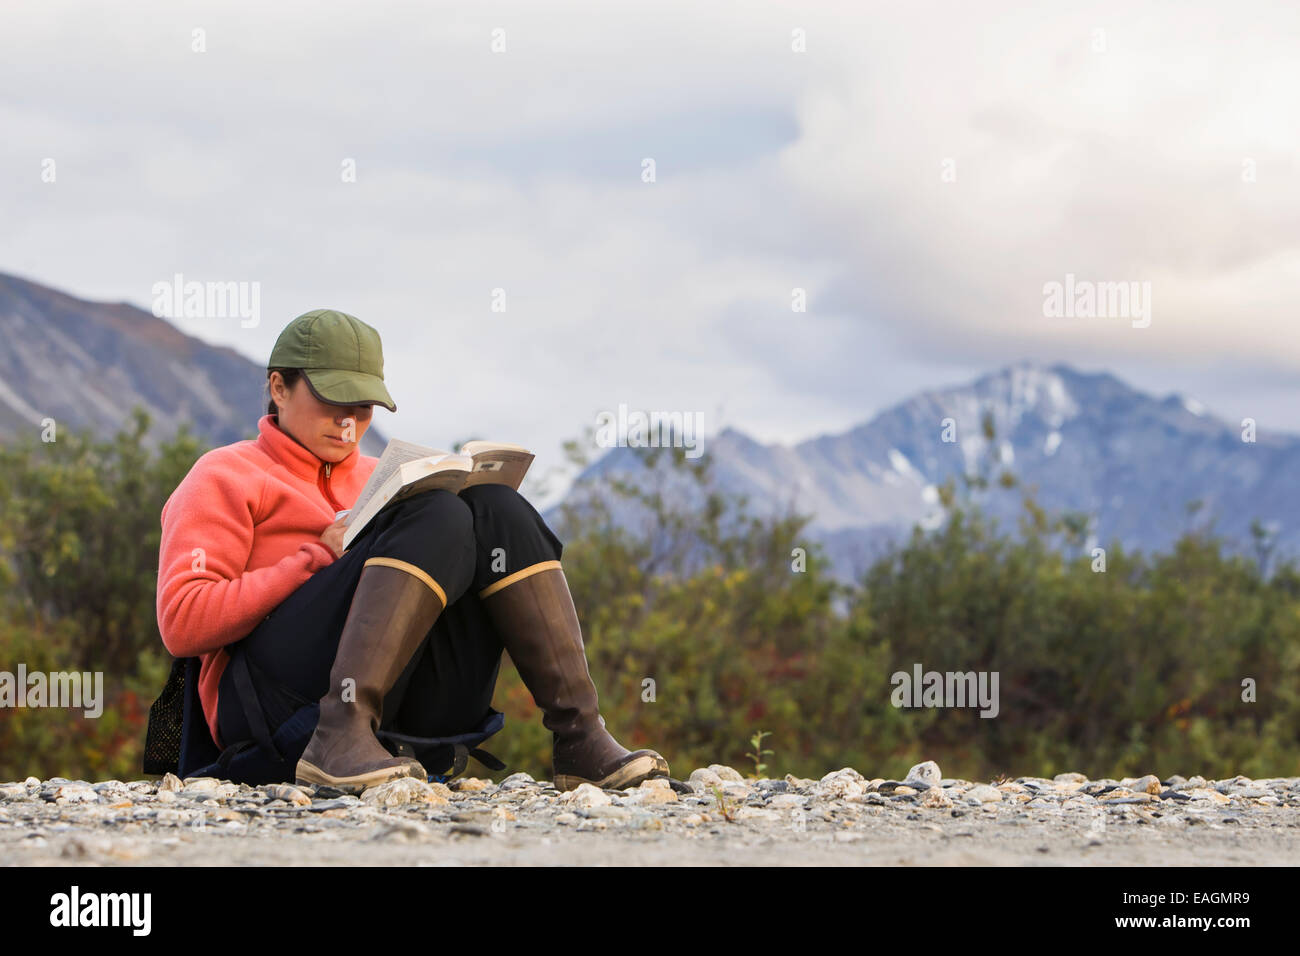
(716, 817)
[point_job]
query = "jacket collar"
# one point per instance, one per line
(299, 460)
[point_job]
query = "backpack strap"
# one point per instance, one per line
(461, 761)
(233, 751)
(486, 759)
(251, 704)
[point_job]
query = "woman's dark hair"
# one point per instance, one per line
(290, 376)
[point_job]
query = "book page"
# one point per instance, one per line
(396, 454)
(410, 478)
(478, 446)
(497, 463)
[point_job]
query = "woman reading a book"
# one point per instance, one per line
(400, 634)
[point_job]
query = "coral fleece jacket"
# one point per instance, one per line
(240, 533)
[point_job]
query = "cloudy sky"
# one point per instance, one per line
(921, 172)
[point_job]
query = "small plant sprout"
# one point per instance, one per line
(756, 742)
(722, 803)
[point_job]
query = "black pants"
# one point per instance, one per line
(467, 543)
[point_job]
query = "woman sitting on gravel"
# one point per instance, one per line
(404, 631)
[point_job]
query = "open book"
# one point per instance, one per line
(406, 469)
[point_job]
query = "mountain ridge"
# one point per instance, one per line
(1136, 463)
(86, 363)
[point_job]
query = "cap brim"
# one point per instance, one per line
(342, 387)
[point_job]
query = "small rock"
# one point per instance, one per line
(735, 791)
(846, 773)
(840, 784)
(74, 793)
(470, 783)
(702, 779)
(346, 802)
(587, 795)
(651, 793)
(983, 793)
(566, 819)
(726, 773)
(1069, 778)
(1148, 784)
(923, 775)
(756, 813)
(517, 781)
(784, 801)
(284, 791)
(403, 790)
(608, 813)
(441, 789)
(936, 799)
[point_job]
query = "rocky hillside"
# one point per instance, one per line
(85, 364)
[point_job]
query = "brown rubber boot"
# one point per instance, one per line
(538, 625)
(392, 612)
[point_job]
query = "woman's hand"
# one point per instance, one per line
(332, 537)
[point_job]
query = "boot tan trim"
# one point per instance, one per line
(517, 576)
(412, 570)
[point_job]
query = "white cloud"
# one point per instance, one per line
(820, 170)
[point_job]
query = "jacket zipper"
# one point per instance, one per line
(324, 485)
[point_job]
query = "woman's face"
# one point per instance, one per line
(330, 432)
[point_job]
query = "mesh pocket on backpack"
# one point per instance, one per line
(162, 742)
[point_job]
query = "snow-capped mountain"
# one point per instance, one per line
(1087, 441)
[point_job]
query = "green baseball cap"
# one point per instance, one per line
(340, 356)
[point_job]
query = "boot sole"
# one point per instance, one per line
(631, 774)
(309, 773)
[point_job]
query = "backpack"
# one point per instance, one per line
(178, 739)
